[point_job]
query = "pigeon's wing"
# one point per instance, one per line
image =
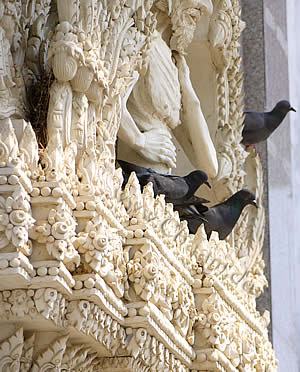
(193, 217)
(129, 167)
(201, 208)
(187, 211)
(195, 200)
(254, 130)
(125, 179)
(144, 179)
(194, 221)
(219, 219)
(173, 187)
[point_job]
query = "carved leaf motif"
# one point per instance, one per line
(52, 357)
(46, 301)
(11, 352)
(27, 354)
(137, 342)
(77, 358)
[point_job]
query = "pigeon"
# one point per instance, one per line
(221, 217)
(193, 200)
(258, 126)
(176, 189)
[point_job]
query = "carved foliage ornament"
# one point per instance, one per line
(135, 243)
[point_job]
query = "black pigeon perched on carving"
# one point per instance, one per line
(258, 126)
(221, 217)
(176, 189)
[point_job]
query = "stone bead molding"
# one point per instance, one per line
(96, 275)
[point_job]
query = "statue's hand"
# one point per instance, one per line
(187, 89)
(156, 145)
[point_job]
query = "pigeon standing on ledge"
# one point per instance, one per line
(259, 126)
(221, 218)
(176, 189)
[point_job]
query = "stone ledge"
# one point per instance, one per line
(161, 328)
(100, 294)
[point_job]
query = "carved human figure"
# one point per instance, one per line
(59, 123)
(156, 108)
(7, 103)
(79, 120)
(6, 63)
(10, 21)
(64, 55)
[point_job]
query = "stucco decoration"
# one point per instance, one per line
(100, 276)
(163, 97)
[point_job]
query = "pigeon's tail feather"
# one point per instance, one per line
(125, 179)
(194, 200)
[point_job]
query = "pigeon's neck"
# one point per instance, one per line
(193, 185)
(237, 207)
(276, 118)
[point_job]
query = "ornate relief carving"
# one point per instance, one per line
(101, 248)
(101, 270)
(27, 354)
(89, 319)
(11, 352)
(52, 357)
(224, 34)
(16, 220)
(150, 352)
(58, 232)
(77, 358)
(220, 328)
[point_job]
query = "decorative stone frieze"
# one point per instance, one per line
(95, 273)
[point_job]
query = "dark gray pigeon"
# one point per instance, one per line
(258, 126)
(193, 200)
(176, 189)
(221, 217)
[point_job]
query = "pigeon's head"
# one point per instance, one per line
(246, 197)
(284, 107)
(197, 177)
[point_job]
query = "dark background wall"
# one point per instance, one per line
(254, 65)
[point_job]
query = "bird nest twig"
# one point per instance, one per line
(37, 106)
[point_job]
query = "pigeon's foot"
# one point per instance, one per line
(250, 148)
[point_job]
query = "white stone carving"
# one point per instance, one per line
(27, 354)
(52, 357)
(102, 250)
(154, 107)
(16, 220)
(11, 352)
(105, 275)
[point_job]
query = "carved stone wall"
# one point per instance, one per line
(94, 276)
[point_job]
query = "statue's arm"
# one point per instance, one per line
(154, 145)
(194, 135)
(129, 132)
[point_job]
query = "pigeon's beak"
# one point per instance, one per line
(292, 109)
(207, 184)
(254, 203)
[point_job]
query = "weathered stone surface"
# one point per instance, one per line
(100, 277)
